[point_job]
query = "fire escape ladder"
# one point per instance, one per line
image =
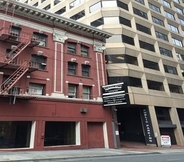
(10, 81)
(16, 51)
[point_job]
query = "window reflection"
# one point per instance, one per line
(109, 3)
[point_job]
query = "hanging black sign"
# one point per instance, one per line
(114, 94)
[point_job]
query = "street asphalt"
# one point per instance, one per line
(27, 156)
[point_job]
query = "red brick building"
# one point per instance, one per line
(51, 73)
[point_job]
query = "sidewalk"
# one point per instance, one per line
(27, 156)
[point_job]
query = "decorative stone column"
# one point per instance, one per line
(100, 68)
(58, 82)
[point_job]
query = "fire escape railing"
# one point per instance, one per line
(24, 40)
(15, 52)
(10, 81)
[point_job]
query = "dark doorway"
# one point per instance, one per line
(60, 133)
(130, 128)
(15, 134)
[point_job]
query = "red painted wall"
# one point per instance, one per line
(41, 109)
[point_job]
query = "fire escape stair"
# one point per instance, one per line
(16, 51)
(12, 80)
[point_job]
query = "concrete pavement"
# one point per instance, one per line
(27, 156)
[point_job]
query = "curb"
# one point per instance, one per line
(77, 157)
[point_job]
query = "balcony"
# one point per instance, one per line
(17, 63)
(18, 92)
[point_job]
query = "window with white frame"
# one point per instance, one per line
(72, 68)
(173, 28)
(85, 70)
(72, 91)
(61, 133)
(86, 92)
(177, 42)
(84, 51)
(71, 48)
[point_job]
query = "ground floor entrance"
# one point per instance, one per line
(135, 124)
(95, 135)
(54, 125)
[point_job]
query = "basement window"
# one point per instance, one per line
(60, 133)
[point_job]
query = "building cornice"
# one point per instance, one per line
(43, 16)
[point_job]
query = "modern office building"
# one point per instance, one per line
(146, 52)
(51, 72)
